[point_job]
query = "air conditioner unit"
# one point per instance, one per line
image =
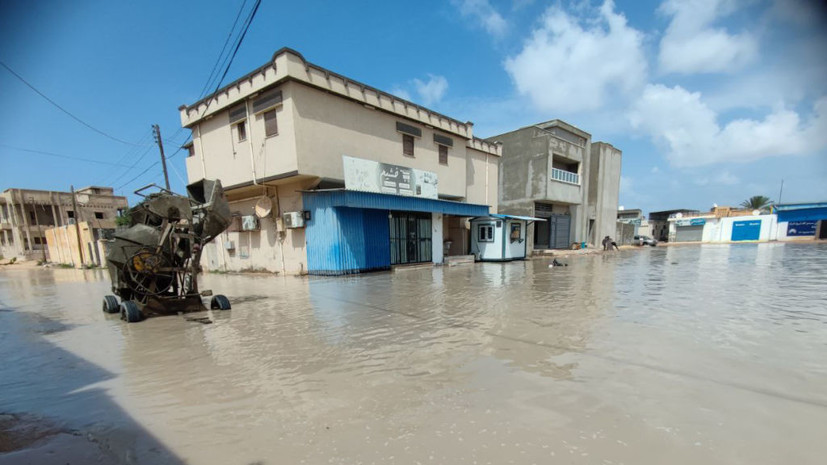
(249, 223)
(293, 220)
(229, 245)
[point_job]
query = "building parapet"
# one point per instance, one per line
(493, 148)
(288, 64)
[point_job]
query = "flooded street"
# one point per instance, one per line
(701, 354)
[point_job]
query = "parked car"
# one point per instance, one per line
(644, 240)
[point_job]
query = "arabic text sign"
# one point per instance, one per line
(801, 228)
(372, 176)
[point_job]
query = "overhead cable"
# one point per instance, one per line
(63, 109)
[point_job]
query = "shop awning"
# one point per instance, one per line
(377, 201)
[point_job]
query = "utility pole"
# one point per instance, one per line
(780, 192)
(157, 131)
(77, 226)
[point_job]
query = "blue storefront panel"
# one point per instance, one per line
(749, 230)
(349, 232)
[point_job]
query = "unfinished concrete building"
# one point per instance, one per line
(552, 170)
(26, 215)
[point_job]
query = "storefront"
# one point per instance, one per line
(351, 231)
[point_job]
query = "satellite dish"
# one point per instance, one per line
(83, 198)
(263, 207)
(714, 205)
(679, 215)
(621, 208)
(756, 212)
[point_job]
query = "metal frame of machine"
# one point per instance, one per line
(154, 264)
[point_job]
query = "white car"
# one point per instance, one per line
(644, 240)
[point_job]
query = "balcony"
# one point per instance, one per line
(565, 176)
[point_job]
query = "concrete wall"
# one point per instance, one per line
(719, 230)
(62, 242)
(604, 190)
(272, 248)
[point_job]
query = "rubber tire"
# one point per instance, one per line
(130, 312)
(110, 304)
(220, 302)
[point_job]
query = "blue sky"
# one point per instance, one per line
(711, 101)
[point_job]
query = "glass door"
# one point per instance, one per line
(411, 239)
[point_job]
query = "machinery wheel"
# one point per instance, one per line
(110, 304)
(130, 312)
(220, 302)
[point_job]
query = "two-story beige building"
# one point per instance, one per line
(26, 215)
(328, 175)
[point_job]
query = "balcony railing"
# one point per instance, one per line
(565, 176)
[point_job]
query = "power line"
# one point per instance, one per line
(63, 109)
(219, 60)
(60, 155)
(247, 23)
(149, 168)
(131, 167)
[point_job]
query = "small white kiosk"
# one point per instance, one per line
(498, 238)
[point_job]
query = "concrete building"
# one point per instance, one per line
(552, 170)
(26, 214)
(637, 220)
(659, 222)
(348, 178)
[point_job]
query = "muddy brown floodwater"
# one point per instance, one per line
(705, 354)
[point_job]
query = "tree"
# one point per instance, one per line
(757, 202)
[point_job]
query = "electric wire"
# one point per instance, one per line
(60, 155)
(247, 23)
(57, 105)
(219, 60)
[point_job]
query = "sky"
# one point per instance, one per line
(710, 101)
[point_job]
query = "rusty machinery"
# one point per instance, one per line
(154, 263)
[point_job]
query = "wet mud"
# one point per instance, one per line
(710, 354)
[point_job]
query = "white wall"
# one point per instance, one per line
(514, 249)
(436, 237)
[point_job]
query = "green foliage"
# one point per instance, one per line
(124, 220)
(757, 202)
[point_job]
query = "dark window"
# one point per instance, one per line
(99, 215)
(31, 215)
(486, 233)
(407, 145)
(242, 130)
(443, 154)
(37, 241)
(271, 125)
(408, 129)
(70, 213)
(267, 99)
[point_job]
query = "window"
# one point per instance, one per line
(271, 126)
(516, 232)
(241, 129)
(37, 241)
(443, 155)
(70, 213)
(31, 215)
(407, 145)
(485, 233)
(99, 215)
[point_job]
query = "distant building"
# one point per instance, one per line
(552, 170)
(326, 175)
(26, 215)
(659, 222)
(801, 221)
(636, 221)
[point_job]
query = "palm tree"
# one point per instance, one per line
(757, 202)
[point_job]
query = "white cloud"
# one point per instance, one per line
(485, 14)
(432, 90)
(401, 93)
(571, 64)
(688, 130)
(692, 45)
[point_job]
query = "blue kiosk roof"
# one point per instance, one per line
(377, 201)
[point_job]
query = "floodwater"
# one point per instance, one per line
(697, 354)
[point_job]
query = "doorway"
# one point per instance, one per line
(410, 237)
